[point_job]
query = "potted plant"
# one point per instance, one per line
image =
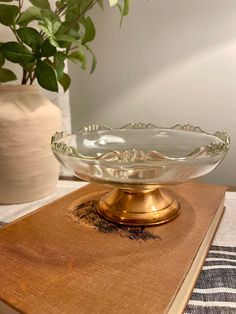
(46, 35)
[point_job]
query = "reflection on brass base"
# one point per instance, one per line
(138, 207)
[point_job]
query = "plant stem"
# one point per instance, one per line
(13, 28)
(32, 78)
(61, 9)
(20, 4)
(73, 48)
(24, 78)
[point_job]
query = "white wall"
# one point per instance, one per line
(171, 62)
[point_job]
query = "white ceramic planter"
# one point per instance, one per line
(28, 169)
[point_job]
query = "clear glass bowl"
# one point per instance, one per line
(140, 154)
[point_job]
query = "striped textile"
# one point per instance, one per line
(215, 290)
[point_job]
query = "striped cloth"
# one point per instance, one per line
(215, 290)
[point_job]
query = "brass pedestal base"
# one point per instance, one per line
(138, 207)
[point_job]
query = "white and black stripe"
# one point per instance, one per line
(215, 290)
(216, 254)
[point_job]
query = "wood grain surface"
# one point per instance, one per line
(51, 264)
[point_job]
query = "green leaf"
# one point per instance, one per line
(65, 81)
(45, 30)
(50, 25)
(94, 63)
(54, 42)
(59, 59)
(94, 59)
(29, 15)
(126, 8)
(113, 2)
(8, 14)
(63, 30)
(72, 14)
(6, 75)
(30, 37)
(121, 12)
(29, 67)
(47, 50)
(65, 41)
(62, 37)
(17, 53)
(81, 6)
(2, 59)
(51, 21)
(6, 0)
(78, 56)
(43, 4)
(46, 76)
(90, 31)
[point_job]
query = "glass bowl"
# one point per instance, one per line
(137, 159)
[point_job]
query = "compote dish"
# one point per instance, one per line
(137, 159)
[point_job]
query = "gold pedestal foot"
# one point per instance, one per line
(138, 207)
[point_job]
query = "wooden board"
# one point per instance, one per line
(49, 263)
